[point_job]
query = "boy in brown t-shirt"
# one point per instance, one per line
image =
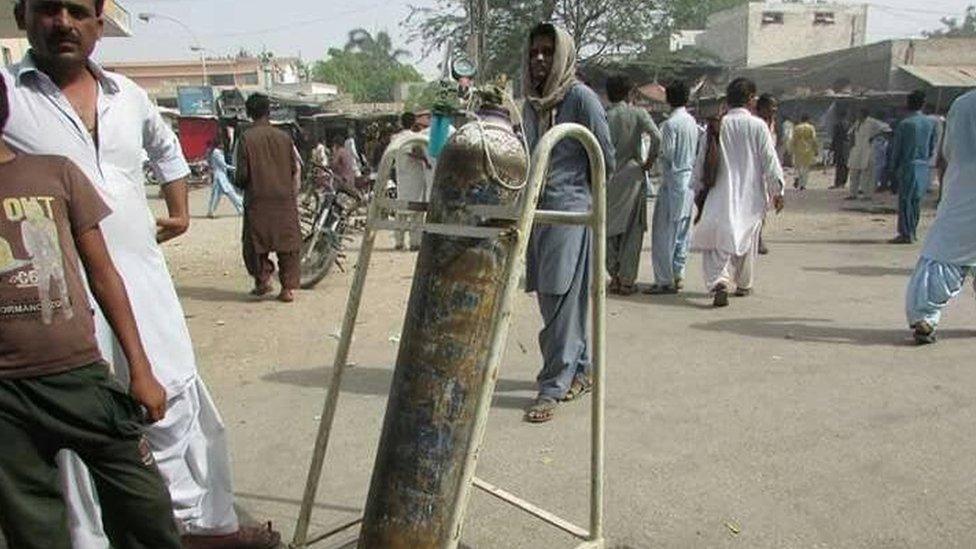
(55, 391)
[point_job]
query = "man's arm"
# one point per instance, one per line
(648, 127)
(595, 119)
(772, 169)
(109, 291)
(166, 158)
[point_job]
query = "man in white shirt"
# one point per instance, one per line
(861, 160)
(749, 176)
(63, 103)
(412, 174)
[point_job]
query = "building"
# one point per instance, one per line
(249, 74)
(760, 33)
(13, 45)
(944, 67)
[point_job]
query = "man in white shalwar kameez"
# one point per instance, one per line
(949, 254)
(749, 177)
(675, 202)
(861, 160)
(63, 103)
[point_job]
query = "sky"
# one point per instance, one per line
(310, 27)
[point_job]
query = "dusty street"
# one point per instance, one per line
(800, 417)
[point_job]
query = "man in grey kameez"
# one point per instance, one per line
(626, 191)
(558, 262)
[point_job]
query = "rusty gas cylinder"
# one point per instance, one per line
(445, 343)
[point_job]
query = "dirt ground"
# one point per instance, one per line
(799, 417)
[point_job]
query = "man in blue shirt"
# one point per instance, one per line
(911, 154)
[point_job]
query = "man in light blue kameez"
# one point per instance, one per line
(558, 262)
(221, 185)
(675, 201)
(949, 254)
(912, 152)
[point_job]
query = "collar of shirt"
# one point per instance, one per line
(739, 111)
(678, 110)
(28, 69)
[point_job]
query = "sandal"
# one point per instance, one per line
(246, 537)
(627, 289)
(580, 386)
(541, 411)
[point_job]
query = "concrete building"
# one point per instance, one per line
(249, 74)
(945, 67)
(13, 44)
(760, 33)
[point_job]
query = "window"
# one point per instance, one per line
(222, 80)
(249, 79)
(823, 18)
(772, 18)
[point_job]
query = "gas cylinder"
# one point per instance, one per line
(444, 347)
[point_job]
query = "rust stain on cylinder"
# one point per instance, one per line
(443, 357)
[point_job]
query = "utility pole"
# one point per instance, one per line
(477, 11)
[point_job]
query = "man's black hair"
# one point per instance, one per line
(4, 105)
(542, 29)
(916, 100)
(618, 87)
(258, 106)
(804, 117)
(407, 120)
(766, 100)
(677, 94)
(739, 92)
(99, 5)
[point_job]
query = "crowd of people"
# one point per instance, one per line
(139, 458)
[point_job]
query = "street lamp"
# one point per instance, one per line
(195, 46)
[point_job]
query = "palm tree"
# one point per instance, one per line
(380, 46)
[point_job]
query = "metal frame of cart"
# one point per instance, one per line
(525, 216)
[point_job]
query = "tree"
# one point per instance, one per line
(955, 29)
(599, 27)
(368, 67)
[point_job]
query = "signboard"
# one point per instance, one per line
(196, 101)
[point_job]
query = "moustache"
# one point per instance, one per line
(62, 37)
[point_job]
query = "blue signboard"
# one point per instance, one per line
(196, 101)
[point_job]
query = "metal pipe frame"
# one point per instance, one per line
(596, 220)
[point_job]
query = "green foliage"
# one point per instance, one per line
(368, 67)
(954, 29)
(598, 26)
(693, 14)
(601, 28)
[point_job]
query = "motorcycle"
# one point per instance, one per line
(324, 217)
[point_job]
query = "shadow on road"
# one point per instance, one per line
(819, 330)
(864, 270)
(214, 295)
(376, 382)
(694, 300)
(851, 242)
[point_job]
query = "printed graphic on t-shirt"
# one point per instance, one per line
(43, 266)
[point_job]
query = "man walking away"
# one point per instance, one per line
(266, 171)
(805, 149)
(626, 192)
(862, 154)
(675, 202)
(64, 103)
(912, 152)
(558, 262)
(748, 177)
(949, 254)
(221, 185)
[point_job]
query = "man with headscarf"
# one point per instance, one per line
(749, 178)
(675, 202)
(949, 254)
(912, 152)
(558, 262)
(626, 191)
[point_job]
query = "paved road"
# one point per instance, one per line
(800, 417)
